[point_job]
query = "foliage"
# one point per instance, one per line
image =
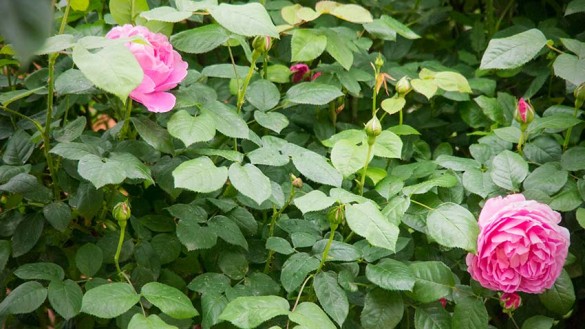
(345, 196)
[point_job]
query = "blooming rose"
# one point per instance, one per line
(520, 246)
(302, 72)
(163, 67)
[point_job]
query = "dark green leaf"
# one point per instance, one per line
(109, 300)
(65, 297)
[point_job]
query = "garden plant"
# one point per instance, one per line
(292, 164)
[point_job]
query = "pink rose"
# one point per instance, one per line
(524, 112)
(163, 67)
(302, 72)
(520, 246)
(510, 301)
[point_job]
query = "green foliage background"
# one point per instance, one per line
(261, 203)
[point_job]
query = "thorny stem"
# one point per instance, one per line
(242, 90)
(327, 247)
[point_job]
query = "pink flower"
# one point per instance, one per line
(443, 302)
(524, 112)
(520, 246)
(163, 67)
(510, 301)
(302, 72)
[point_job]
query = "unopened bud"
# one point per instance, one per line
(121, 211)
(510, 301)
(379, 61)
(579, 94)
(262, 43)
(336, 215)
(373, 129)
(297, 181)
(403, 86)
(524, 112)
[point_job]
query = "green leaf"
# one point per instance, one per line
(251, 312)
(228, 231)
(4, 253)
(65, 297)
(514, 51)
(367, 221)
(316, 168)
(227, 71)
(200, 175)
(382, 309)
(212, 305)
(210, 282)
(153, 134)
(40, 271)
(71, 131)
(109, 300)
(169, 300)
(89, 259)
(250, 181)
(79, 5)
(200, 40)
(190, 129)
(58, 214)
(125, 11)
(195, 237)
(538, 322)
(338, 251)
(306, 45)
(452, 81)
(453, 226)
(338, 49)
(279, 245)
(332, 298)
(388, 145)
(560, 298)
(558, 121)
(249, 20)
(574, 159)
(166, 14)
(352, 13)
(425, 87)
(548, 178)
(18, 149)
(227, 120)
(399, 28)
(295, 270)
(56, 43)
(313, 201)
(139, 321)
(391, 274)
(24, 299)
(432, 317)
(433, 280)
(393, 105)
(74, 151)
(310, 315)
(113, 170)
(478, 182)
(113, 68)
(575, 6)
(508, 170)
(27, 234)
(263, 95)
(272, 120)
(470, 313)
(347, 157)
(27, 25)
(570, 68)
(457, 163)
(312, 93)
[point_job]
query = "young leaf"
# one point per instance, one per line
(316, 168)
(249, 19)
(169, 300)
(347, 157)
(251, 312)
(200, 175)
(109, 300)
(514, 51)
(125, 11)
(313, 201)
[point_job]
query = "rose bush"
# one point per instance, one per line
(163, 67)
(520, 246)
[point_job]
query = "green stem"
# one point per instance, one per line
(275, 216)
(569, 131)
(299, 297)
(47, 133)
(521, 141)
(120, 243)
(333, 114)
(327, 247)
(421, 204)
(126, 125)
(366, 163)
(490, 17)
(65, 16)
(374, 101)
(400, 117)
(242, 90)
(508, 7)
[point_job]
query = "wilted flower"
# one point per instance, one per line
(163, 67)
(520, 246)
(302, 72)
